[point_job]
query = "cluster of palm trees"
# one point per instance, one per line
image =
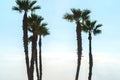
(83, 23)
(34, 24)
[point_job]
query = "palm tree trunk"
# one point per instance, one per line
(33, 56)
(36, 61)
(40, 56)
(25, 42)
(90, 57)
(79, 48)
(37, 70)
(32, 62)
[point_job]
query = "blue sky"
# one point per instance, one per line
(59, 48)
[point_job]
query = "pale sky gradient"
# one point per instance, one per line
(59, 48)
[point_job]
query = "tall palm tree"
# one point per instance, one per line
(78, 16)
(34, 21)
(41, 31)
(91, 27)
(38, 29)
(25, 6)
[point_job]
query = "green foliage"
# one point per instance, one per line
(85, 14)
(35, 22)
(69, 17)
(90, 26)
(42, 30)
(77, 15)
(25, 5)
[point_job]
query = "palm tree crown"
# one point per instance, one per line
(36, 21)
(25, 5)
(77, 15)
(90, 26)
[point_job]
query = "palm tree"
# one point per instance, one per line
(37, 28)
(25, 6)
(78, 16)
(41, 31)
(91, 27)
(33, 22)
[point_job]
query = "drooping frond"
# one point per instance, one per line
(96, 30)
(16, 9)
(93, 24)
(44, 24)
(32, 7)
(85, 12)
(98, 26)
(35, 8)
(29, 28)
(90, 26)
(32, 3)
(43, 31)
(68, 17)
(30, 39)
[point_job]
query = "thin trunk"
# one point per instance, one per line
(79, 49)
(33, 55)
(36, 61)
(40, 56)
(90, 57)
(32, 66)
(25, 42)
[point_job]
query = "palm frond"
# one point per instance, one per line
(16, 9)
(30, 39)
(30, 29)
(44, 24)
(95, 32)
(88, 23)
(35, 8)
(32, 3)
(85, 14)
(26, 5)
(93, 24)
(76, 14)
(85, 29)
(46, 32)
(68, 17)
(34, 20)
(43, 31)
(19, 2)
(98, 26)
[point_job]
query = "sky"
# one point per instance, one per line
(59, 48)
